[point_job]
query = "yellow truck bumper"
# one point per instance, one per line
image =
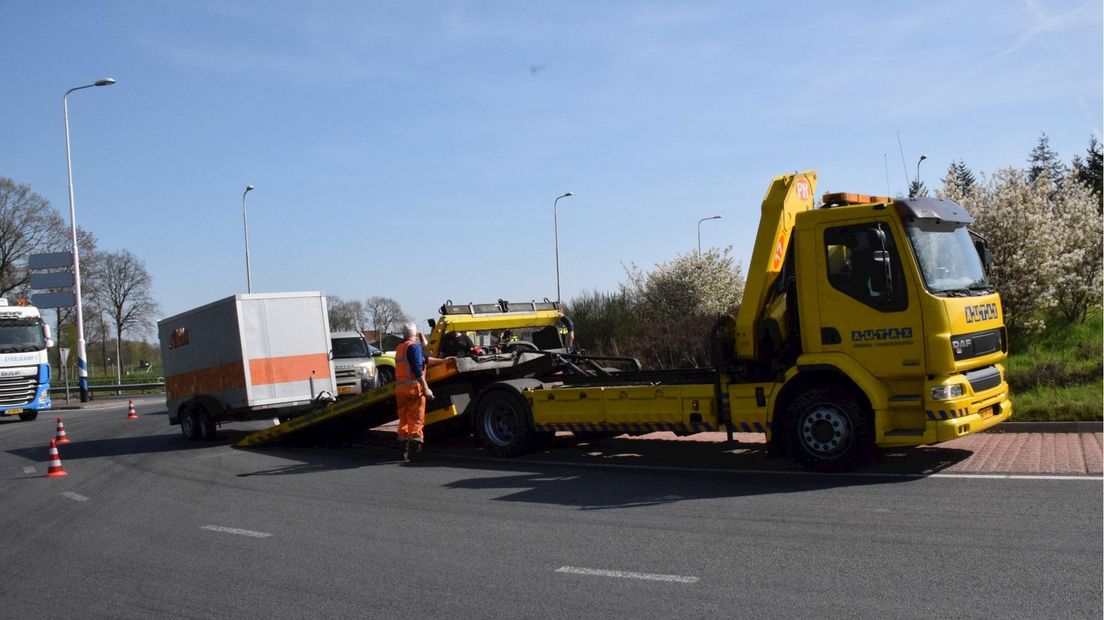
(946, 430)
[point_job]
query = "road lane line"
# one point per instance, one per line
(75, 496)
(598, 572)
(28, 470)
(234, 530)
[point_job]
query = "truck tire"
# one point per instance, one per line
(189, 423)
(27, 416)
(521, 346)
(503, 424)
(385, 374)
(828, 430)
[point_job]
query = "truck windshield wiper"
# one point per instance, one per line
(956, 292)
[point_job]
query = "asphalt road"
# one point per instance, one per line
(149, 525)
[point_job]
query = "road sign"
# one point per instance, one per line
(64, 355)
(54, 279)
(52, 260)
(53, 300)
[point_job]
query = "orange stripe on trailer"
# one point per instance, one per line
(269, 370)
(214, 379)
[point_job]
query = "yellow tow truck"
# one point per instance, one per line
(866, 323)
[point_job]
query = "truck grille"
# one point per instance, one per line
(17, 390)
(350, 373)
(967, 346)
(984, 378)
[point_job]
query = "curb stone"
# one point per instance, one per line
(1048, 427)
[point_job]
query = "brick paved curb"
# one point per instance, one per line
(1048, 427)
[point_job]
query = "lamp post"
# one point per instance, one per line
(704, 219)
(82, 358)
(245, 225)
(922, 158)
(556, 222)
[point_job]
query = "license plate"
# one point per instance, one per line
(13, 412)
(345, 390)
(987, 412)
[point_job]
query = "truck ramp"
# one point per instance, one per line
(358, 412)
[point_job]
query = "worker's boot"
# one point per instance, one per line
(406, 451)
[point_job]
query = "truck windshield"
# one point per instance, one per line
(948, 260)
(21, 335)
(347, 348)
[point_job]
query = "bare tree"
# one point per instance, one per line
(123, 292)
(346, 315)
(384, 315)
(28, 224)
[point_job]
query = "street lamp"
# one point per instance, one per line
(82, 358)
(704, 219)
(922, 158)
(245, 225)
(556, 222)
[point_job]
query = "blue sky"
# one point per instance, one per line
(414, 149)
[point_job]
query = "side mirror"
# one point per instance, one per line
(982, 247)
(376, 353)
(432, 323)
(883, 283)
(48, 335)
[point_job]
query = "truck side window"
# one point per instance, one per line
(863, 263)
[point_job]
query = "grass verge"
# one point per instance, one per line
(1057, 375)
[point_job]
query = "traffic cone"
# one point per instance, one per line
(132, 415)
(56, 470)
(61, 436)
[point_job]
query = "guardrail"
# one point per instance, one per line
(157, 386)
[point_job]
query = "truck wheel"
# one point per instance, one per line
(386, 374)
(27, 416)
(206, 423)
(502, 424)
(828, 431)
(189, 424)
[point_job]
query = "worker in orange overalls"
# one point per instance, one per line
(411, 389)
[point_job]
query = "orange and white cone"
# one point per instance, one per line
(61, 436)
(55, 470)
(132, 414)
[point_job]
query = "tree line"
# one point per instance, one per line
(382, 315)
(116, 287)
(1042, 223)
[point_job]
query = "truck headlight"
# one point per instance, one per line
(947, 392)
(367, 372)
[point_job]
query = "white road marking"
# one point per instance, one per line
(28, 470)
(75, 496)
(234, 530)
(783, 472)
(598, 572)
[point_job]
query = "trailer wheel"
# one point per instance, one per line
(828, 430)
(27, 416)
(189, 424)
(206, 423)
(502, 423)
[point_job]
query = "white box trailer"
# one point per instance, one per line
(251, 356)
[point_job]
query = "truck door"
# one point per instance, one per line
(866, 306)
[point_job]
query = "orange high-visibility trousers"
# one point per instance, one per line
(411, 405)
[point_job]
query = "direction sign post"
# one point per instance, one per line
(51, 260)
